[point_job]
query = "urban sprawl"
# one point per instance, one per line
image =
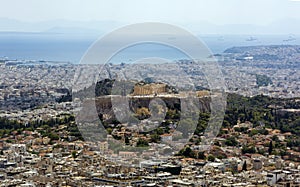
(41, 143)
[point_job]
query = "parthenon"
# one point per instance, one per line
(148, 89)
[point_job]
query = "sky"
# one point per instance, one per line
(199, 16)
(259, 12)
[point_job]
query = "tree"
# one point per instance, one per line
(231, 141)
(244, 166)
(187, 152)
(155, 138)
(247, 149)
(53, 136)
(142, 143)
(160, 131)
(201, 155)
(74, 154)
(211, 158)
(109, 130)
(127, 141)
(270, 147)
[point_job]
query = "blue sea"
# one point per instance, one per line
(71, 47)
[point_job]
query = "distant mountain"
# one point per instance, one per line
(280, 27)
(286, 27)
(285, 49)
(9, 25)
(71, 30)
(58, 26)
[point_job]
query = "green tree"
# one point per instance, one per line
(53, 136)
(142, 143)
(248, 149)
(201, 155)
(155, 138)
(109, 130)
(74, 154)
(127, 140)
(244, 166)
(270, 147)
(160, 131)
(211, 158)
(231, 141)
(187, 152)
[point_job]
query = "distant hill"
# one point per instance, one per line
(271, 53)
(249, 49)
(71, 30)
(286, 26)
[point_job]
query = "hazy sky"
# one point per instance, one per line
(260, 12)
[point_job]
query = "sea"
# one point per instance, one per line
(71, 47)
